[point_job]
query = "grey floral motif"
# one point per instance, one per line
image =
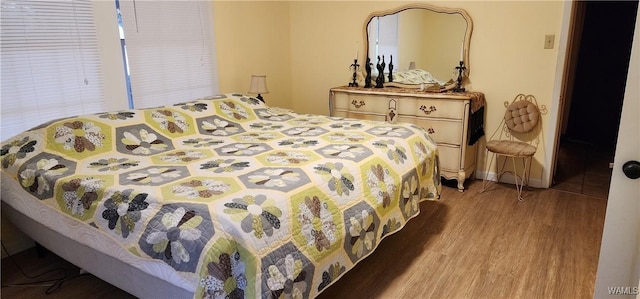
(349, 151)
(192, 106)
(172, 231)
(79, 135)
(120, 115)
(270, 114)
(298, 142)
(123, 211)
(331, 274)
(177, 235)
(338, 178)
(346, 137)
(202, 142)
(422, 151)
(394, 131)
(266, 126)
(256, 214)
(362, 232)
(410, 196)
(154, 175)
(274, 177)
(243, 149)
(225, 165)
(113, 164)
(395, 153)
(182, 156)
(288, 158)
(291, 283)
(250, 100)
(141, 142)
(346, 126)
(258, 137)
(392, 225)
(171, 121)
(226, 278)
(307, 120)
(38, 178)
(16, 150)
(305, 131)
(200, 188)
(219, 127)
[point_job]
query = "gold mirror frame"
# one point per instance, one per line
(467, 40)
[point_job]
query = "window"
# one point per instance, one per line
(51, 66)
(50, 63)
(170, 51)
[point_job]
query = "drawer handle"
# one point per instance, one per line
(356, 104)
(431, 131)
(427, 111)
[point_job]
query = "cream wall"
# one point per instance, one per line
(252, 37)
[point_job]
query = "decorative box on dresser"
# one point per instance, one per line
(454, 120)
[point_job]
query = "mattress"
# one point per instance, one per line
(222, 196)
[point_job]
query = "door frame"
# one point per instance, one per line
(564, 77)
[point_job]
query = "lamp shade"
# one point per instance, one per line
(258, 84)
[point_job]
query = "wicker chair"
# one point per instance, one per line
(517, 136)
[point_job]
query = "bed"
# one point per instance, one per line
(220, 196)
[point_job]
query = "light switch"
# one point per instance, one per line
(548, 41)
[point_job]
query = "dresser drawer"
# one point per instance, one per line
(358, 115)
(360, 103)
(442, 131)
(436, 108)
(449, 157)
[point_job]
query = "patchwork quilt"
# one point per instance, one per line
(227, 195)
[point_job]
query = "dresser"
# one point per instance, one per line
(454, 120)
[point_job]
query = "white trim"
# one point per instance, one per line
(554, 107)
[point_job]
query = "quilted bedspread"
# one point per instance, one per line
(237, 198)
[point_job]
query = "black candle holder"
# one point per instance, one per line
(355, 66)
(461, 68)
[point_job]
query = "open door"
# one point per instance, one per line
(619, 263)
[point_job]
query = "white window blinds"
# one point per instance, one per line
(49, 62)
(170, 48)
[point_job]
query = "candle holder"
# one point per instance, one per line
(355, 66)
(461, 68)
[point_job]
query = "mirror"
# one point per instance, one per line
(425, 43)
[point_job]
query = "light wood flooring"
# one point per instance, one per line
(467, 245)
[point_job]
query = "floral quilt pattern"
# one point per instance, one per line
(240, 199)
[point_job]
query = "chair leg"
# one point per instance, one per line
(516, 177)
(486, 167)
(501, 171)
(528, 170)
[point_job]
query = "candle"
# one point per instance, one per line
(462, 51)
(356, 54)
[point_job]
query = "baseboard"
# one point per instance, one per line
(507, 178)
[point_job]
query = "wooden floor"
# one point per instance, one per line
(584, 168)
(467, 245)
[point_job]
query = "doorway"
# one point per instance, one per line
(602, 33)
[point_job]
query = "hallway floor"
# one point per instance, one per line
(583, 168)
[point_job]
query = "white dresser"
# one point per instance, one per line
(446, 116)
